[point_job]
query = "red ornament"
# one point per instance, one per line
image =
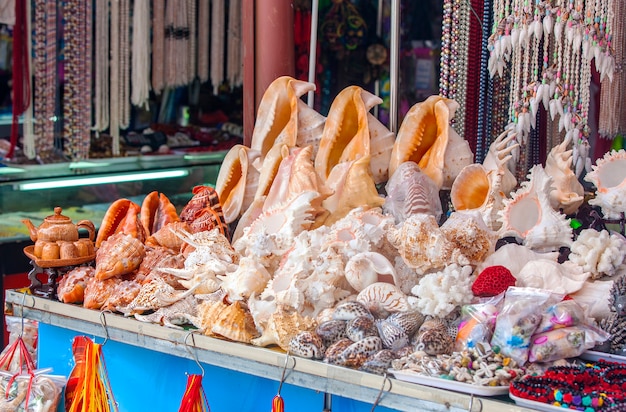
(492, 281)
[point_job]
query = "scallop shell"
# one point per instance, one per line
(469, 233)
(498, 157)
(361, 327)
(410, 191)
(349, 310)
(608, 175)
(423, 137)
(282, 326)
(118, 255)
(237, 181)
(346, 135)
(308, 345)
(331, 331)
(250, 277)
(365, 268)
(235, 323)
(392, 335)
(568, 193)
(356, 354)
(382, 298)
(529, 216)
(277, 116)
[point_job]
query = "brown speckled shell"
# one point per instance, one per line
(334, 351)
(307, 344)
(350, 310)
(360, 328)
(331, 331)
(356, 354)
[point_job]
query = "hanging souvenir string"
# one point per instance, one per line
(176, 43)
(158, 45)
(124, 56)
(140, 55)
(234, 67)
(218, 15)
(114, 67)
(204, 12)
(192, 13)
(28, 128)
(101, 69)
(482, 131)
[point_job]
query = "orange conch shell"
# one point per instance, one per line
(98, 291)
(121, 216)
(346, 133)
(277, 116)
(166, 236)
(156, 212)
(71, 287)
(235, 322)
(118, 255)
(310, 127)
(423, 137)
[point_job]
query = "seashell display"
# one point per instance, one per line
(331, 331)
(360, 328)
(410, 191)
(122, 295)
(250, 277)
(379, 363)
(282, 326)
(175, 315)
(333, 352)
(71, 286)
(366, 268)
(568, 193)
(98, 291)
(277, 115)
(469, 233)
(166, 236)
(357, 353)
(441, 293)
(423, 246)
(349, 310)
(156, 258)
(118, 255)
(382, 298)
(393, 336)
(236, 183)
(310, 127)
(498, 157)
(423, 137)
(433, 337)
(156, 212)
(204, 211)
(529, 217)
(121, 216)
(307, 344)
(235, 322)
(458, 154)
(153, 296)
(381, 145)
(608, 175)
(346, 135)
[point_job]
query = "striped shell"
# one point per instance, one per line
(360, 328)
(392, 336)
(409, 321)
(382, 298)
(118, 255)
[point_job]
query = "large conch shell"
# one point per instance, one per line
(529, 217)
(118, 255)
(121, 216)
(282, 326)
(310, 127)
(609, 177)
(458, 154)
(237, 181)
(277, 116)
(568, 193)
(156, 212)
(346, 133)
(423, 137)
(381, 145)
(498, 156)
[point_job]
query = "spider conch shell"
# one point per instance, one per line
(277, 116)
(237, 181)
(346, 133)
(479, 189)
(423, 137)
(498, 156)
(410, 191)
(609, 177)
(366, 268)
(529, 217)
(250, 277)
(282, 326)
(568, 193)
(235, 322)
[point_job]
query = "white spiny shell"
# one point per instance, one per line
(609, 177)
(498, 157)
(250, 277)
(282, 326)
(366, 268)
(529, 216)
(468, 231)
(382, 298)
(568, 191)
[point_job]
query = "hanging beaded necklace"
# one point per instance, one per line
(204, 11)
(234, 67)
(217, 44)
(101, 69)
(158, 45)
(141, 54)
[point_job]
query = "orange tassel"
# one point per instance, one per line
(194, 399)
(278, 404)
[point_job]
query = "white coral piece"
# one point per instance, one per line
(599, 252)
(439, 293)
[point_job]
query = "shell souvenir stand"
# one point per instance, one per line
(340, 265)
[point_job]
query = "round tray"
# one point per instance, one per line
(56, 263)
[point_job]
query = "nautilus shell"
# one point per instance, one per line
(383, 298)
(608, 175)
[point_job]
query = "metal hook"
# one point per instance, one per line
(471, 403)
(22, 314)
(194, 353)
(282, 377)
(380, 393)
(103, 322)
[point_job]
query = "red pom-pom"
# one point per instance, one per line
(492, 281)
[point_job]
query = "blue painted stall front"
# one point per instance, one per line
(147, 380)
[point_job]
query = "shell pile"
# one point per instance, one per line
(323, 265)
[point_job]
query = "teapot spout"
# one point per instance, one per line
(32, 230)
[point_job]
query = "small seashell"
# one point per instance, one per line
(360, 328)
(392, 336)
(334, 351)
(378, 363)
(331, 331)
(308, 345)
(357, 353)
(409, 321)
(382, 298)
(433, 338)
(365, 268)
(349, 310)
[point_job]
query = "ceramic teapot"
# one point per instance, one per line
(55, 228)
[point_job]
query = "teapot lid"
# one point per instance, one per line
(57, 217)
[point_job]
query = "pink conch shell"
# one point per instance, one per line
(410, 191)
(609, 177)
(346, 132)
(249, 216)
(498, 156)
(237, 181)
(477, 188)
(529, 216)
(423, 137)
(568, 193)
(269, 168)
(366, 268)
(468, 231)
(423, 246)
(382, 298)
(118, 255)
(277, 116)
(381, 145)
(353, 186)
(458, 155)
(310, 127)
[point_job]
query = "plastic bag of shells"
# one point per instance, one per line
(37, 392)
